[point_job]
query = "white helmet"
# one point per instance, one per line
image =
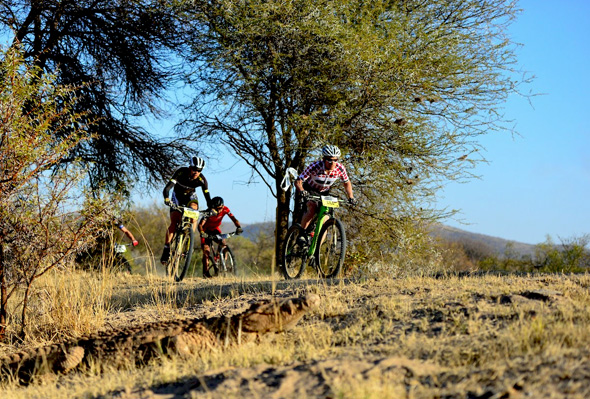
(331, 151)
(197, 163)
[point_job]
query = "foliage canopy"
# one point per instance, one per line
(403, 87)
(118, 53)
(44, 219)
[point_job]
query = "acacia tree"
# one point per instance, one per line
(403, 87)
(119, 53)
(44, 220)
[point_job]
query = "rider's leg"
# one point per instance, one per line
(311, 210)
(174, 219)
(194, 204)
(206, 252)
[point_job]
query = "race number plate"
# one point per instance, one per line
(190, 213)
(330, 202)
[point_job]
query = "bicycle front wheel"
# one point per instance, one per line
(181, 251)
(294, 255)
(228, 261)
(329, 255)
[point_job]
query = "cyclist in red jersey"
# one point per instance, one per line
(318, 178)
(210, 226)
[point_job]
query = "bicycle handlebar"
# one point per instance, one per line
(313, 197)
(225, 235)
(205, 213)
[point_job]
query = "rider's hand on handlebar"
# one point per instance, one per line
(239, 230)
(135, 243)
(352, 201)
(304, 194)
(204, 235)
(167, 201)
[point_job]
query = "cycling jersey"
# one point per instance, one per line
(184, 187)
(213, 223)
(320, 179)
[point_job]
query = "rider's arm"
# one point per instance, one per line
(236, 221)
(201, 224)
(169, 186)
(304, 176)
(345, 180)
(299, 184)
(348, 189)
(128, 233)
(206, 194)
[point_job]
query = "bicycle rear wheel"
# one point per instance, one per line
(121, 264)
(329, 255)
(181, 251)
(213, 266)
(294, 256)
(227, 259)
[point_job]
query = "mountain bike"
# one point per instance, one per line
(120, 262)
(182, 244)
(327, 248)
(222, 261)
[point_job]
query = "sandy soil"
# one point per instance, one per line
(471, 337)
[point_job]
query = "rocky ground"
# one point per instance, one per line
(472, 337)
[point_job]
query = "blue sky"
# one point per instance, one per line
(538, 183)
(535, 184)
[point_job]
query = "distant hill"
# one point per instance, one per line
(251, 231)
(495, 245)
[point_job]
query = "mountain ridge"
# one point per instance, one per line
(495, 245)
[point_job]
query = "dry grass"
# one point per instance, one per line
(413, 337)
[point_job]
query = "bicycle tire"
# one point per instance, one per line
(186, 254)
(122, 265)
(213, 266)
(292, 253)
(173, 259)
(229, 261)
(172, 264)
(181, 251)
(331, 249)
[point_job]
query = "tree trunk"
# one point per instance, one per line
(23, 323)
(282, 222)
(3, 296)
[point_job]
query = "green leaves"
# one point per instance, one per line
(404, 88)
(44, 219)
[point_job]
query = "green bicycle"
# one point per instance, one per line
(327, 248)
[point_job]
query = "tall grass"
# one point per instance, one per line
(448, 336)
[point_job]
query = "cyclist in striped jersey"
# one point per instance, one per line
(318, 178)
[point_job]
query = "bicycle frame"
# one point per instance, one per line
(216, 249)
(188, 214)
(183, 232)
(327, 205)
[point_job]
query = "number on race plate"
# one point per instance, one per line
(190, 213)
(330, 202)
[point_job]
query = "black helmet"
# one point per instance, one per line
(197, 163)
(216, 202)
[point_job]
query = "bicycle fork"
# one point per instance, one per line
(324, 211)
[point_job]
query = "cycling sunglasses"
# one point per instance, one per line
(331, 160)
